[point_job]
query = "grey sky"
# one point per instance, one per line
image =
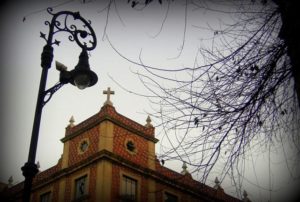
(20, 75)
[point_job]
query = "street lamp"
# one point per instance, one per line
(81, 76)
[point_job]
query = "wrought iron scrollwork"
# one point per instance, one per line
(83, 34)
(48, 93)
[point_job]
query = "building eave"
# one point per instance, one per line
(104, 116)
(200, 190)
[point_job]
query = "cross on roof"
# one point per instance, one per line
(108, 92)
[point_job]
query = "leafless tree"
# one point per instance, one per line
(240, 94)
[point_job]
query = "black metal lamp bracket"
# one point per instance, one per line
(49, 93)
(86, 39)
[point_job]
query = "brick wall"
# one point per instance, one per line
(121, 136)
(74, 155)
(92, 182)
(55, 191)
(115, 190)
(68, 189)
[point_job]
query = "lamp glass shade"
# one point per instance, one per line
(82, 81)
(82, 76)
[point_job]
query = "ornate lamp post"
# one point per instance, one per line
(81, 76)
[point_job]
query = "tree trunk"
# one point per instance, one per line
(290, 34)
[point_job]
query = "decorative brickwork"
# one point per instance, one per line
(115, 183)
(108, 112)
(107, 157)
(119, 147)
(92, 182)
(68, 189)
(75, 156)
(55, 191)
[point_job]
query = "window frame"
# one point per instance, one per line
(77, 180)
(166, 192)
(133, 177)
(46, 193)
(74, 177)
(79, 146)
(133, 150)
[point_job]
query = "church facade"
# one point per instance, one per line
(109, 157)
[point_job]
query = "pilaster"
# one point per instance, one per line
(106, 136)
(104, 185)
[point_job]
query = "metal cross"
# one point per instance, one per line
(108, 92)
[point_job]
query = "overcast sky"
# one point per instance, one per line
(20, 74)
(130, 31)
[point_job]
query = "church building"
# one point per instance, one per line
(111, 158)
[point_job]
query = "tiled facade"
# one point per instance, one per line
(113, 155)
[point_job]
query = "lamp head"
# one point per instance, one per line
(82, 75)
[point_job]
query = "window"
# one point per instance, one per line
(84, 145)
(129, 189)
(130, 146)
(46, 197)
(80, 187)
(170, 197)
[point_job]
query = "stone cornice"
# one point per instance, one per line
(198, 189)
